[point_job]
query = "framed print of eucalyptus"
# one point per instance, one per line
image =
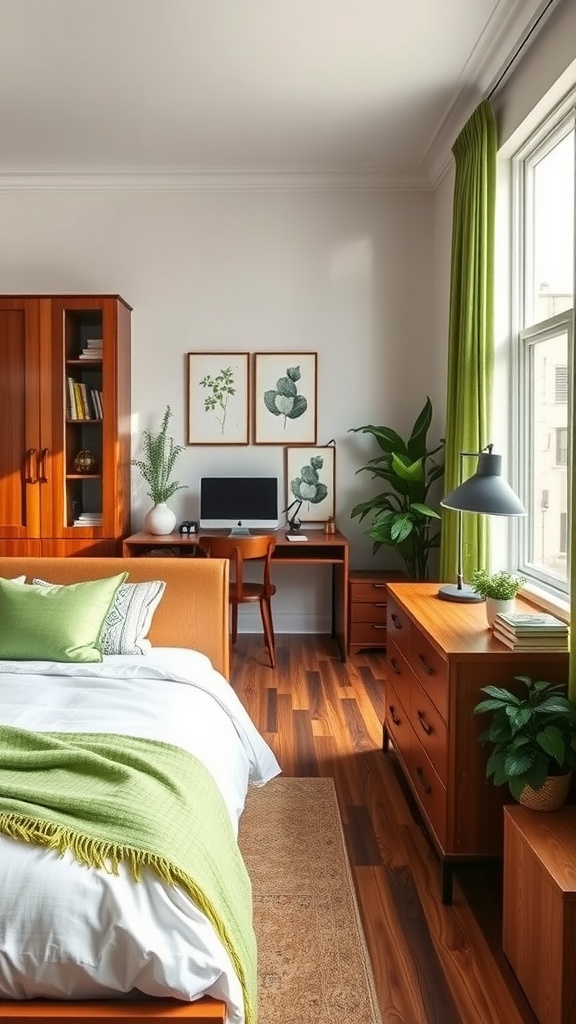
(311, 479)
(284, 396)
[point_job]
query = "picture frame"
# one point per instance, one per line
(310, 471)
(218, 398)
(285, 397)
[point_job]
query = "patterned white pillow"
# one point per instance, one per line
(130, 617)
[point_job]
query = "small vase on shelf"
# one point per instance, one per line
(160, 520)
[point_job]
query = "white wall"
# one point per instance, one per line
(349, 275)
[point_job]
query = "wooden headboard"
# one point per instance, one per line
(194, 608)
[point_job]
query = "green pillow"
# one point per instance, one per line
(56, 623)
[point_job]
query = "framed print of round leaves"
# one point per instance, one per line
(308, 487)
(285, 400)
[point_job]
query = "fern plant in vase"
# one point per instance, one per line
(159, 454)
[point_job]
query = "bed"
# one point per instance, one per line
(164, 696)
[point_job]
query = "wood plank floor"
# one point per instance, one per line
(432, 964)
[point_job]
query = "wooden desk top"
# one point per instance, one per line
(316, 538)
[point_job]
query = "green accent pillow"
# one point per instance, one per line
(56, 623)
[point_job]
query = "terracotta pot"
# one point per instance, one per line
(550, 796)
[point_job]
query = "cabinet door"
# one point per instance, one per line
(20, 451)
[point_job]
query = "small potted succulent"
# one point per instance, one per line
(498, 588)
(533, 739)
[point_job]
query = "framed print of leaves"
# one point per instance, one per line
(285, 397)
(311, 479)
(218, 397)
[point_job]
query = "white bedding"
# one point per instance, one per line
(95, 934)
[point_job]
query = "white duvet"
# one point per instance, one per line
(67, 931)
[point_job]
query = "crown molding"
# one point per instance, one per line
(507, 29)
(216, 180)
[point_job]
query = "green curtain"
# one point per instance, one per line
(471, 330)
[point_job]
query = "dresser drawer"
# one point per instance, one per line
(373, 611)
(365, 591)
(398, 674)
(432, 671)
(430, 728)
(397, 723)
(367, 634)
(430, 792)
(399, 626)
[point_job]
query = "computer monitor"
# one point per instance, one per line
(238, 503)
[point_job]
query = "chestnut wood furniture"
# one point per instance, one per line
(439, 655)
(42, 491)
(539, 912)
(193, 612)
(320, 549)
(367, 605)
(239, 550)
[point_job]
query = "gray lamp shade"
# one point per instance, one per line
(486, 491)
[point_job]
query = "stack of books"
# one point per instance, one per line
(88, 519)
(92, 349)
(531, 631)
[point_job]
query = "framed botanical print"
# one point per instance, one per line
(284, 397)
(311, 479)
(218, 397)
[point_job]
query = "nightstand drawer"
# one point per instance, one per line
(370, 592)
(399, 627)
(371, 634)
(432, 671)
(375, 611)
(429, 728)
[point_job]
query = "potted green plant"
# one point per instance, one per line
(533, 740)
(498, 588)
(159, 454)
(401, 515)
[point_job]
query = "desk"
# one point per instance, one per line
(319, 549)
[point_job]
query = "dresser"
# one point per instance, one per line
(439, 656)
(367, 607)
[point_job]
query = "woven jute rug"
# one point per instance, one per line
(313, 964)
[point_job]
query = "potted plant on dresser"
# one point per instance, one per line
(498, 588)
(159, 454)
(533, 739)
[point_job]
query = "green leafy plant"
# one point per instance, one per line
(159, 454)
(501, 585)
(221, 388)
(402, 517)
(532, 736)
(308, 487)
(285, 400)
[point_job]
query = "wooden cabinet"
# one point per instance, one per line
(439, 655)
(539, 913)
(367, 603)
(48, 506)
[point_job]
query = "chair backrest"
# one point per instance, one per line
(239, 550)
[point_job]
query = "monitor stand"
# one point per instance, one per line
(239, 531)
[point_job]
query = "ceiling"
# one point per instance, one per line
(230, 87)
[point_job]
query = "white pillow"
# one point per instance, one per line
(130, 617)
(17, 579)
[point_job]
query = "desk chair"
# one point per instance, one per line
(240, 550)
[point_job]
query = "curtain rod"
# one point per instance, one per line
(502, 75)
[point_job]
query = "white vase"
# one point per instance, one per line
(493, 607)
(160, 520)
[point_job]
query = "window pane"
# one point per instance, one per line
(546, 455)
(552, 238)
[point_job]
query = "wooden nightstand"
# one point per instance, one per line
(539, 917)
(367, 604)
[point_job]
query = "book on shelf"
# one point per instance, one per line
(533, 643)
(88, 519)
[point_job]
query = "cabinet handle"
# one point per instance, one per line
(379, 604)
(394, 667)
(42, 466)
(30, 479)
(429, 671)
(425, 725)
(394, 716)
(376, 625)
(396, 621)
(379, 586)
(421, 779)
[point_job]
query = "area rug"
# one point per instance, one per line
(313, 963)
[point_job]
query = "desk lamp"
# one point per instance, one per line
(487, 493)
(294, 523)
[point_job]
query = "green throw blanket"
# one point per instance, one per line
(117, 799)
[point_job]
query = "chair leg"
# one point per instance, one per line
(266, 612)
(234, 623)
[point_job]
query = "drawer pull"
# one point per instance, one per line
(394, 716)
(429, 671)
(379, 604)
(394, 666)
(425, 725)
(422, 780)
(396, 621)
(375, 625)
(379, 586)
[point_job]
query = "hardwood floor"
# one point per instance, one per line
(432, 964)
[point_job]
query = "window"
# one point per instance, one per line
(542, 350)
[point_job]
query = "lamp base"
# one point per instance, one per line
(452, 592)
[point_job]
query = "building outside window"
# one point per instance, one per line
(543, 229)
